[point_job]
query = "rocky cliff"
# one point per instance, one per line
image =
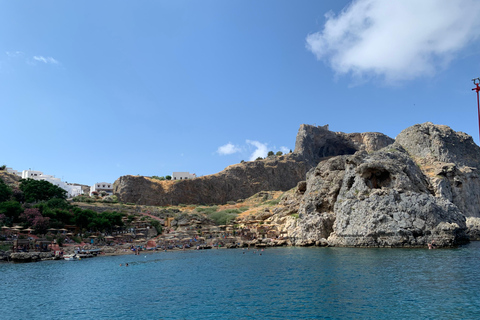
(235, 182)
(243, 180)
(418, 190)
(358, 189)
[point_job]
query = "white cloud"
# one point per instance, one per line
(227, 149)
(396, 39)
(260, 151)
(14, 54)
(284, 149)
(45, 59)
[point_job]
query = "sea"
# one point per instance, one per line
(277, 283)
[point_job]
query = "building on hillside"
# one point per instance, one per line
(31, 174)
(15, 172)
(102, 186)
(183, 176)
(72, 190)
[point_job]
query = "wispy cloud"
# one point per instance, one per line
(14, 54)
(46, 60)
(227, 149)
(260, 151)
(284, 149)
(253, 149)
(396, 39)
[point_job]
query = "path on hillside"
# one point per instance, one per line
(155, 218)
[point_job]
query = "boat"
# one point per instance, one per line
(71, 257)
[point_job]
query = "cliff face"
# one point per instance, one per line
(418, 190)
(245, 179)
(359, 189)
(235, 182)
(316, 143)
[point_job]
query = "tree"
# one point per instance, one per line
(5, 191)
(270, 153)
(11, 210)
(279, 153)
(259, 158)
(84, 217)
(40, 190)
(34, 218)
(168, 177)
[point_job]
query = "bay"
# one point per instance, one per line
(281, 283)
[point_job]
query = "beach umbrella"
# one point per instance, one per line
(109, 237)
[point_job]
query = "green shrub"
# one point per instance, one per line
(206, 210)
(156, 224)
(224, 216)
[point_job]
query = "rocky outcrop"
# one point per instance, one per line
(30, 256)
(243, 180)
(377, 199)
(418, 190)
(316, 143)
(450, 160)
(235, 182)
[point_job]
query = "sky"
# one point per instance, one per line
(94, 90)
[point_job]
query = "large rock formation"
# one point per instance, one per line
(235, 182)
(243, 180)
(316, 143)
(418, 190)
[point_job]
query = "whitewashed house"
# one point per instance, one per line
(12, 171)
(183, 176)
(102, 186)
(72, 190)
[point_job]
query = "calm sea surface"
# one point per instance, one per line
(282, 283)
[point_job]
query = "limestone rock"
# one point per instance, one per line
(316, 143)
(451, 161)
(376, 199)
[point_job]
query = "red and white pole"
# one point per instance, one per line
(477, 89)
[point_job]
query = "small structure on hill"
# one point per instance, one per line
(183, 176)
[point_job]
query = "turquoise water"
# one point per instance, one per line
(282, 283)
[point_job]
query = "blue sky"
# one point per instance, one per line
(93, 90)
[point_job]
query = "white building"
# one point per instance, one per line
(72, 191)
(102, 186)
(15, 172)
(183, 176)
